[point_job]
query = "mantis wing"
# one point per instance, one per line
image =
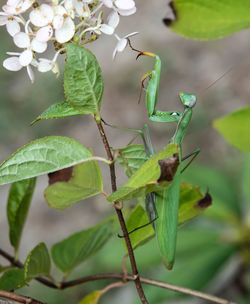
(167, 205)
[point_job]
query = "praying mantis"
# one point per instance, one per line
(166, 202)
(162, 205)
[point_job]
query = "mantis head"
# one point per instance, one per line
(188, 100)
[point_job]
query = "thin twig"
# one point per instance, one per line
(186, 291)
(120, 216)
(120, 276)
(155, 283)
(113, 285)
(18, 264)
(18, 298)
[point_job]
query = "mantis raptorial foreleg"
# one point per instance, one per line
(152, 91)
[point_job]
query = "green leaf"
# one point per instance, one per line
(192, 203)
(83, 83)
(19, 200)
(75, 249)
(41, 156)
(145, 179)
(225, 205)
(92, 298)
(132, 158)
(137, 218)
(58, 110)
(209, 19)
(86, 181)
(12, 279)
(235, 128)
(37, 262)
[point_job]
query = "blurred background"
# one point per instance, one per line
(188, 66)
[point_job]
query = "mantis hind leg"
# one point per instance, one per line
(193, 155)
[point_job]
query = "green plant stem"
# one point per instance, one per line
(136, 276)
(120, 276)
(18, 298)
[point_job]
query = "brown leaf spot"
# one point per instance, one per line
(205, 202)
(168, 168)
(168, 21)
(62, 175)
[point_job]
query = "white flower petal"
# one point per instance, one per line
(127, 12)
(131, 34)
(106, 29)
(13, 27)
(59, 10)
(114, 53)
(30, 73)
(68, 4)
(12, 64)
(55, 69)
(17, 7)
(13, 53)
(26, 57)
(38, 46)
(66, 32)
(121, 45)
(108, 3)
(3, 19)
(78, 7)
(26, 5)
(10, 10)
(44, 66)
(22, 40)
(113, 19)
(13, 2)
(58, 22)
(42, 15)
(44, 34)
(125, 4)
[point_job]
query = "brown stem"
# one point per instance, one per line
(120, 276)
(156, 283)
(18, 298)
(18, 264)
(120, 216)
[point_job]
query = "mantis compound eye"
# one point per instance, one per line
(188, 100)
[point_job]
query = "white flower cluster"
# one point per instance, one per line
(32, 24)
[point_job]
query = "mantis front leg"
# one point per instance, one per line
(152, 91)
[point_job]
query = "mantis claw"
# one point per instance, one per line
(141, 53)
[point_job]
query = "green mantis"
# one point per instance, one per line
(167, 201)
(162, 202)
